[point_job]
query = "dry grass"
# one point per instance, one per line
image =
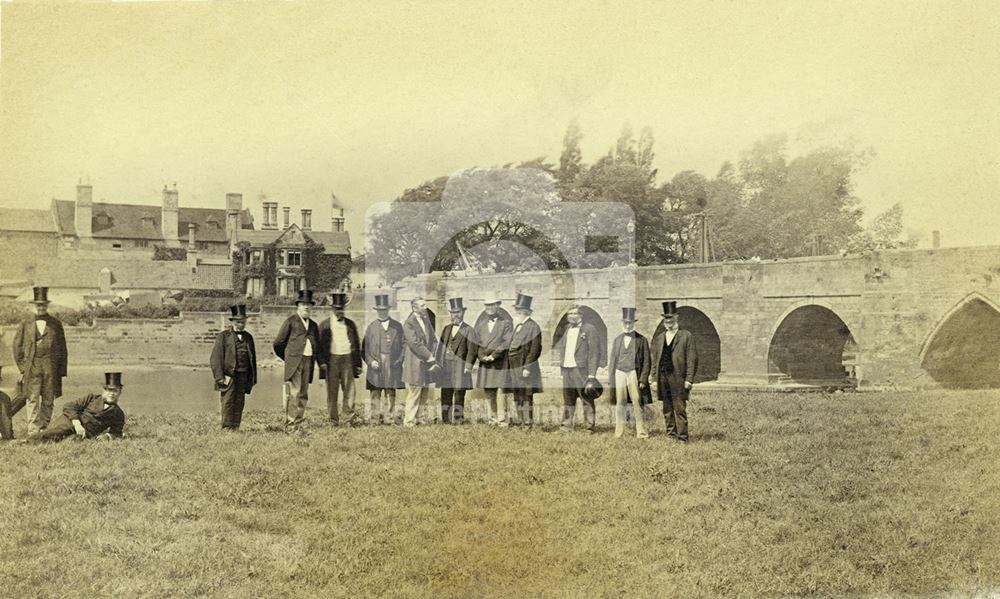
(777, 495)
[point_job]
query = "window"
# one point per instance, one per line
(256, 256)
(281, 258)
(255, 287)
(294, 258)
(116, 245)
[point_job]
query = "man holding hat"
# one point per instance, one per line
(578, 353)
(89, 416)
(41, 356)
(493, 340)
(234, 367)
(340, 349)
(382, 349)
(420, 366)
(629, 369)
(457, 354)
(297, 344)
(674, 362)
(524, 374)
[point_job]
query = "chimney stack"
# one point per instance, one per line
(84, 211)
(192, 246)
(307, 219)
(270, 215)
(935, 239)
(336, 214)
(287, 212)
(234, 208)
(169, 218)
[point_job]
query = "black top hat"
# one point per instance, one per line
(523, 302)
(41, 295)
(455, 305)
(338, 300)
(670, 308)
(382, 301)
(113, 380)
(305, 297)
(628, 314)
(592, 389)
(239, 312)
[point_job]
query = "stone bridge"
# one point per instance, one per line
(903, 318)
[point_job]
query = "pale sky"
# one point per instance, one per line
(298, 100)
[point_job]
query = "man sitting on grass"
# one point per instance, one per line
(94, 415)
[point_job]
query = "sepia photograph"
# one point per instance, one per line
(469, 299)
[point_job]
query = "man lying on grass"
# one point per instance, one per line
(92, 416)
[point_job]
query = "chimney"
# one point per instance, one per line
(307, 217)
(192, 246)
(935, 239)
(270, 216)
(287, 213)
(168, 223)
(336, 214)
(234, 206)
(84, 211)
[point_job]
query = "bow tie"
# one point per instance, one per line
(492, 318)
(574, 326)
(630, 334)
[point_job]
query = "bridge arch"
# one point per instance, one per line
(812, 344)
(706, 339)
(960, 351)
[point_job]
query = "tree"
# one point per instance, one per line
(884, 233)
(571, 159)
(625, 148)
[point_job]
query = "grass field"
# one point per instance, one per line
(894, 494)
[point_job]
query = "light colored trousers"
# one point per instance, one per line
(416, 400)
(627, 385)
(295, 393)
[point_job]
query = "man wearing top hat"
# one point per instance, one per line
(382, 350)
(524, 374)
(493, 340)
(420, 367)
(456, 355)
(40, 354)
(340, 349)
(297, 343)
(673, 364)
(628, 367)
(234, 367)
(578, 353)
(96, 415)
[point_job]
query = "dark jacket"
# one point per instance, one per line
(24, 350)
(455, 355)
(525, 349)
(587, 352)
(223, 358)
(90, 411)
(684, 357)
(326, 343)
(420, 345)
(386, 376)
(290, 342)
(492, 375)
(642, 364)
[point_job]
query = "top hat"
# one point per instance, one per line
(628, 314)
(592, 389)
(239, 312)
(523, 302)
(491, 298)
(113, 380)
(670, 308)
(455, 305)
(305, 297)
(382, 301)
(338, 300)
(41, 295)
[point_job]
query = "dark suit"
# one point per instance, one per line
(492, 355)
(42, 360)
(229, 360)
(586, 355)
(420, 347)
(671, 366)
(93, 416)
(339, 368)
(456, 355)
(525, 349)
(628, 370)
(290, 345)
(384, 345)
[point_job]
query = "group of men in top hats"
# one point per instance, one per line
(42, 358)
(412, 356)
